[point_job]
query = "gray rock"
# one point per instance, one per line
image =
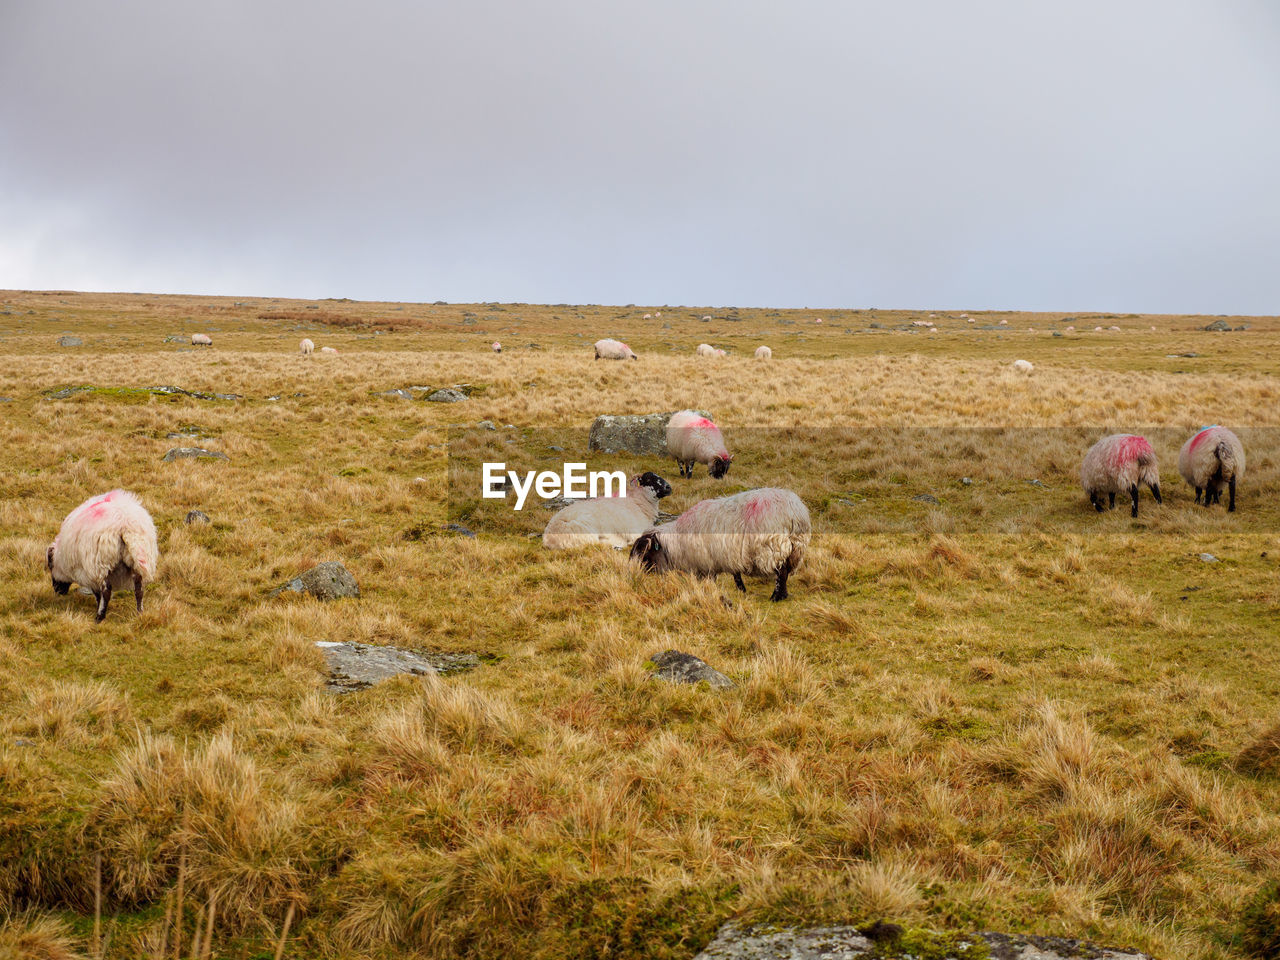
(197, 516)
(676, 667)
(735, 942)
(447, 395)
(486, 425)
(70, 342)
(172, 338)
(642, 433)
(357, 666)
(1208, 558)
(325, 581)
(552, 447)
(1243, 326)
(925, 498)
(460, 529)
(396, 394)
(1217, 326)
(178, 453)
(967, 481)
(557, 503)
(6, 399)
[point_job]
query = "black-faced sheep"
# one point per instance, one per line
(615, 521)
(1210, 459)
(692, 438)
(107, 543)
(760, 533)
(1117, 464)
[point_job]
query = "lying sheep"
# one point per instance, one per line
(614, 350)
(615, 521)
(307, 347)
(692, 438)
(497, 347)
(201, 340)
(1117, 464)
(764, 353)
(760, 533)
(1023, 366)
(1214, 456)
(105, 544)
(328, 350)
(705, 350)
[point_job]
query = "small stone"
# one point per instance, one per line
(397, 394)
(325, 581)
(552, 447)
(1208, 558)
(197, 516)
(447, 395)
(925, 498)
(178, 453)
(676, 667)
(6, 399)
(486, 425)
(967, 481)
(460, 529)
(70, 342)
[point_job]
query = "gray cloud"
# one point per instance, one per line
(987, 154)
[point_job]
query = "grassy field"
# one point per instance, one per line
(998, 710)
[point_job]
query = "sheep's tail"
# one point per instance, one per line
(140, 554)
(1226, 457)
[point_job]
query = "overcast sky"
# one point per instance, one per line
(1094, 154)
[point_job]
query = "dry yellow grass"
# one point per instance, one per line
(998, 711)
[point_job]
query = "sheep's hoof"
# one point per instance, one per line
(776, 596)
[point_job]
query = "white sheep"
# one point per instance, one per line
(328, 350)
(615, 521)
(497, 347)
(761, 533)
(1023, 366)
(1117, 464)
(705, 350)
(692, 438)
(1212, 457)
(614, 350)
(707, 318)
(307, 347)
(764, 353)
(648, 316)
(107, 543)
(718, 353)
(201, 340)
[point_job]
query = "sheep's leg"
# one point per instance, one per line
(1113, 500)
(1231, 495)
(104, 598)
(1197, 494)
(780, 591)
(1133, 492)
(137, 591)
(1096, 501)
(737, 582)
(1208, 496)
(1155, 492)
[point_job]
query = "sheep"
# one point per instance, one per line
(615, 521)
(105, 544)
(648, 316)
(1117, 464)
(718, 353)
(497, 347)
(705, 350)
(1023, 366)
(307, 347)
(201, 340)
(692, 438)
(707, 318)
(1213, 456)
(328, 350)
(614, 350)
(762, 532)
(764, 353)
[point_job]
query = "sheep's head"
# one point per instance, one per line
(60, 587)
(655, 483)
(720, 466)
(651, 553)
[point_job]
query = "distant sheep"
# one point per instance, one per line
(761, 532)
(648, 316)
(1117, 464)
(692, 438)
(718, 353)
(497, 347)
(307, 347)
(764, 353)
(1023, 366)
(614, 350)
(707, 318)
(705, 350)
(201, 340)
(615, 521)
(328, 350)
(1212, 457)
(107, 543)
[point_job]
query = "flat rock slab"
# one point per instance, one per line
(734, 942)
(325, 581)
(358, 666)
(640, 433)
(179, 453)
(70, 342)
(447, 396)
(676, 667)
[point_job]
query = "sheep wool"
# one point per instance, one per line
(705, 350)
(1212, 458)
(692, 438)
(615, 521)
(328, 350)
(107, 543)
(614, 350)
(1023, 366)
(307, 347)
(764, 353)
(1117, 464)
(760, 533)
(497, 347)
(201, 340)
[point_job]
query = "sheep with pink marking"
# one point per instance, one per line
(692, 438)
(757, 533)
(307, 347)
(1210, 459)
(705, 350)
(763, 353)
(1118, 464)
(614, 521)
(614, 350)
(107, 543)
(497, 347)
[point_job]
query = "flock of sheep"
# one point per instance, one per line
(109, 542)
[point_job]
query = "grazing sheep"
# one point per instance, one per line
(307, 347)
(1023, 366)
(497, 347)
(201, 340)
(328, 350)
(692, 438)
(764, 353)
(705, 350)
(615, 521)
(614, 350)
(761, 532)
(1212, 457)
(707, 318)
(1117, 464)
(105, 544)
